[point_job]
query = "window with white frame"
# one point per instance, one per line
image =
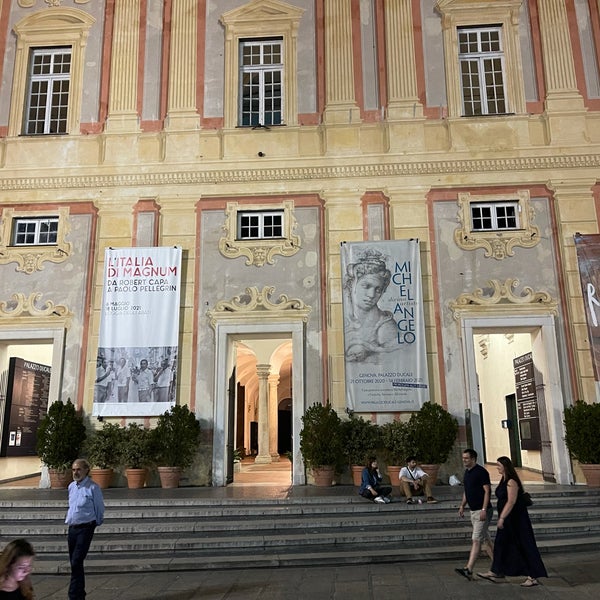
(261, 82)
(48, 91)
(494, 216)
(260, 225)
(481, 59)
(35, 231)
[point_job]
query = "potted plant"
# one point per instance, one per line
(321, 443)
(395, 439)
(175, 439)
(582, 424)
(135, 454)
(361, 438)
(60, 436)
(102, 449)
(432, 433)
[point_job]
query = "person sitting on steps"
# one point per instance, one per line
(415, 482)
(371, 487)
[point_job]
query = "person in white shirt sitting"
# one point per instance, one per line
(415, 482)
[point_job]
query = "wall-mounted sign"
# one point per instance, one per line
(527, 403)
(26, 405)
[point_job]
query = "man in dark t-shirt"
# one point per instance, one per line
(477, 494)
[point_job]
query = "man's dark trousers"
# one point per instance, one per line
(79, 539)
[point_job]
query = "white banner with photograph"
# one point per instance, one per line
(136, 367)
(384, 328)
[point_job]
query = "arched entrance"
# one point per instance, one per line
(265, 327)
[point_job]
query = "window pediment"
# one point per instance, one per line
(262, 10)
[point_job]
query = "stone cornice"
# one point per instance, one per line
(300, 173)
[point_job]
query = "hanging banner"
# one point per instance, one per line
(136, 368)
(384, 328)
(588, 256)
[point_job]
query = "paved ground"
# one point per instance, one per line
(575, 576)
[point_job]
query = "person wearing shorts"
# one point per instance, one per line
(477, 495)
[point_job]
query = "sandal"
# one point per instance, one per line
(489, 576)
(530, 582)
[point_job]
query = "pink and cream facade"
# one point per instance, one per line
(258, 136)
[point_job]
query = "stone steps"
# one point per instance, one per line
(144, 533)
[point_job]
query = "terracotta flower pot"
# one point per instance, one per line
(323, 476)
(394, 474)
(592, 474)
(60, 479)
(357, 474)
(433, 471)
(136, 478)
(103, 477)
(169, 476)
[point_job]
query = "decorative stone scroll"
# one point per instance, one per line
(256, 301)
(499, 297)
(260, 251)
(22, 306)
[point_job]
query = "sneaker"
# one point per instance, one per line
(410, 501)
(380, 500)
(465, 573)
(431, 500)
(387, 500)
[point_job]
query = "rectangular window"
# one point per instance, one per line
(37, 231)
(48, 91)
(261, 78)
(263, 225)
(491, 216)
(481, 59)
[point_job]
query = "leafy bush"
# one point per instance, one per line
(582, 431)
(361, 438)
(135, 450)
(60, 436)
(102, 446)
(321, 438)
(176, 437)
(433, 432)
(396, 441)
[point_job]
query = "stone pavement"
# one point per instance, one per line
(574, 575)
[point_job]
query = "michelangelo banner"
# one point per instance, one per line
(136, 368)
(384, 328)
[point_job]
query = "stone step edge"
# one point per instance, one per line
(59, 566)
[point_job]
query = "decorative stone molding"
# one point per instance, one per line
(258, 302)
(497, 244)
(339, 172)
(30, 258)
(31, 307)
(499, 297)
(30, 3)
(259, 252)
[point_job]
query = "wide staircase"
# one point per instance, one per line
(198, 528)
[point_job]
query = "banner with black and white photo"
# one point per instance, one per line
(384, 328)
(136, 367)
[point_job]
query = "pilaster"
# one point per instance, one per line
(182, 111)
(122, 100)
(575, 212)
(565, 110)
(341, 104)
(404, 111)
(273, 406)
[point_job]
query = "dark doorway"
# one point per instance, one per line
(512, 422)
(284, 427)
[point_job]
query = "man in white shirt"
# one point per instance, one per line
(415, 482)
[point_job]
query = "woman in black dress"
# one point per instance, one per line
(515, 550)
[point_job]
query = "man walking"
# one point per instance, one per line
(86, 512)
(477, 494)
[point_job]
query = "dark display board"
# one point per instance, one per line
(527, 403)
(26, 406)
